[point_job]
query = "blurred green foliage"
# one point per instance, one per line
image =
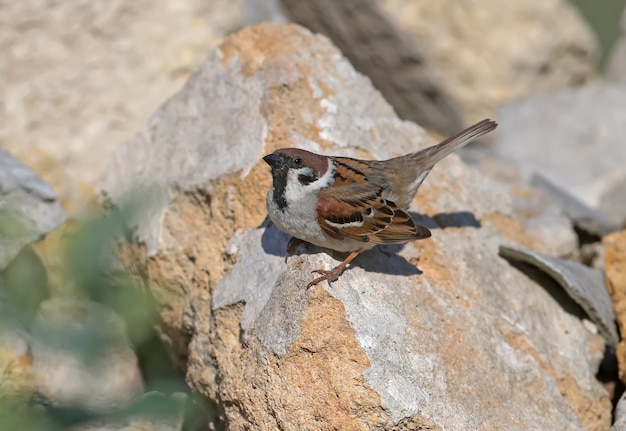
(604, 18)
(88, 269)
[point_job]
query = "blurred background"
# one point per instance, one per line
(81, 76)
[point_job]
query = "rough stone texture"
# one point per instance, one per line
(572, 138)
(473, 55)
(82, 356)
(29, 208)
(80, 76)
(615, 269)
(439, 334)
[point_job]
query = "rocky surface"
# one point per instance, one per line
(430, 59)
(615, 264)
(438, 334)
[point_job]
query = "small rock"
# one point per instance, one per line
(583, 284)
(28, 208)
(82, 356)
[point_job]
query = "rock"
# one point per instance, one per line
(620, 415)
(77, 80)
(561, 135)
(615, 269)
(616, 64)
(613, 199)
(430, 62)
(396, 64)
(583, 284)
(591, 221)
(28, 208)
(82, 356)
(440, 333)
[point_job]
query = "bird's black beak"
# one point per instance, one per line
(272, 159)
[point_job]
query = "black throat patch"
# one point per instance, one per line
(279, 179)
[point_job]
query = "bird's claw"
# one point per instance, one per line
(330, 276)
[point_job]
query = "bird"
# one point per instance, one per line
(352, 205)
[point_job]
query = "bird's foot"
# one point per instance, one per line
(333, 274)
(330, 276)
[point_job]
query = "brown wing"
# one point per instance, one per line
(361, 213)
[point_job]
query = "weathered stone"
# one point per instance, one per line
(28, 208)
(572, 138)
(432, 58)
(82, 356)
(77, 80)
(615, 269)
(583, 284)
(613, 198)
(440, 333)
(591, 221)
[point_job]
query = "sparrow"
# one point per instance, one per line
(352, 205)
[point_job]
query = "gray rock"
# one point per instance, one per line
(440, 333)
(613, 199)
(28, 208)
(589, 220)
(82, 356)
(572, 138)
(583, 284)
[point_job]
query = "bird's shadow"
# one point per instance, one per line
(383, 259)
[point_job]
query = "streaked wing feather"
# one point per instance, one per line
(360, 212)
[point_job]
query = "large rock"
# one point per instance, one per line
(430, 57)
(78, 79)
(572, 138)
(439, 334)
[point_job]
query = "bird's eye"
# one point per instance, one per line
(297, 162)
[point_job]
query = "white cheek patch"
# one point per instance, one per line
(295, 190)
